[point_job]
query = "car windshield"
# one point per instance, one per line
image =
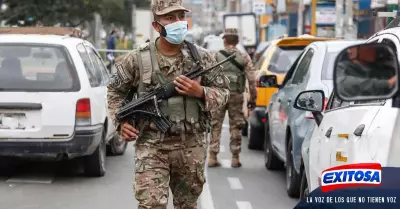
(283, 59)
(329, 61)
(36, 68)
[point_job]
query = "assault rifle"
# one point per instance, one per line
(147, 105)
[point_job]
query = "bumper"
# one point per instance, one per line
(257, 117)
(84, 142)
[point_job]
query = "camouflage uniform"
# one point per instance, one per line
(234, 108)
(175, 159)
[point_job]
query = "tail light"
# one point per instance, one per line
(264, 120)
(83, 112)
(258, 83)
(309, 115)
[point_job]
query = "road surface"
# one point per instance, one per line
(47, 185)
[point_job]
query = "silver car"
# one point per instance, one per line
(288, 126)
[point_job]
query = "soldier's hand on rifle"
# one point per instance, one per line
(128, 132)
(188, 87)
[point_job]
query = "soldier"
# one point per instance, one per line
(175, 159)
(237, 71)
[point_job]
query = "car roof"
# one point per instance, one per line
(336, 45)
(36, 38)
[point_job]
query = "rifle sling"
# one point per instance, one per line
(233, 61)
(193, 51)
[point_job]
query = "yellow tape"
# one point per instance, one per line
(340, 158)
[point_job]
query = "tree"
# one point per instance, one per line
(118, 12)
(51, 12)
(69, 12)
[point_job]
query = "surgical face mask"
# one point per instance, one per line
(176, 32)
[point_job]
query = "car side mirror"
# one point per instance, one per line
(366, 71)
(268, 81)
(310, 101)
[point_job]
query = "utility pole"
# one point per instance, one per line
(314, 18)
(339, 19)
(349, 24)
(300, 15)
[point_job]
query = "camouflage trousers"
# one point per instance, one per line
(236, 123)
(158, 170)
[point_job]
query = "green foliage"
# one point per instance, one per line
(68, 12)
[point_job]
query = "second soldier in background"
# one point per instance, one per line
(237, 71)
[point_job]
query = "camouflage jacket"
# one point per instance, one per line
(216, 90)
(250, 71)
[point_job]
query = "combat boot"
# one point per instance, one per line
(235, 161)
(213, 161)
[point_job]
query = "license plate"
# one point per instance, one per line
(11, 120)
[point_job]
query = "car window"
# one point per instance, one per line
(94, 78)
(283, 58)
(291, 71)
(36, 68)
(303, 67)
(101, 70)
(260, 61)
(381, 102)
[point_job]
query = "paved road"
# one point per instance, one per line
(248, 187)
(30, 185)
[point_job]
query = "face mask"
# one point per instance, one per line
(176, 32)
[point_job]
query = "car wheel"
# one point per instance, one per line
(304, 190)
(95, 164)
(271, 160)
(117, 145)
(255, 138)
(293, 179)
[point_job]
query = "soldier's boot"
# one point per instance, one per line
(212, 160)
(235, 161)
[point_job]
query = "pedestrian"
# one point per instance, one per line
(111, 46)
(173, 160)
(237, 71)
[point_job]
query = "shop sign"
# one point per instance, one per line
(326, 15)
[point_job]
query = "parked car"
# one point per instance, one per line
(348, 129)
(276, 60)
(53, 100)
(285, 126)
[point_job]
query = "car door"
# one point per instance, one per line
(287, 96)
(351, 124)
(353, 136)
(275, 115)
(320, 145)
(100, 67)
(97, 91)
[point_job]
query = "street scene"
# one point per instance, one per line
(185, 104)
(41, 183)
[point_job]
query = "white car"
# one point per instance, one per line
(357, 130)
(53, 100)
